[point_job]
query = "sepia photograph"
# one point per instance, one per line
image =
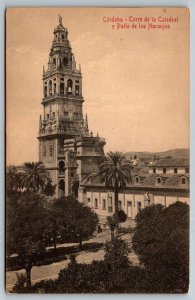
(97, 150)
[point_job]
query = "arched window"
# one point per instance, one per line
(62, 185)
(65, 61)
(50, 87)
(45, 91)
(54, 61)
(77, 90)
(54, 88)
(61, 88)
(61, 166)
(69, 86)
(136, 179)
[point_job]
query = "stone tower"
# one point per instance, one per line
(66, 148)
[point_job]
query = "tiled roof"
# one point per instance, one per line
(140, 170)
(172, 162)
(148, 180)
(175, 180)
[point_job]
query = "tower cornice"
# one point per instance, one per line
(61, 98)
(48, 74)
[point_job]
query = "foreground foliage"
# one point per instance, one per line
(26, 223)
(70, 221)
(31, 177)
(160, 240)
(32, 223)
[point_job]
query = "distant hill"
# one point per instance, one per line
(174, 153)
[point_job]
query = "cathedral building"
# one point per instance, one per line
(72, 154)
(67, 148)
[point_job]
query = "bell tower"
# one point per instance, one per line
(62, 118)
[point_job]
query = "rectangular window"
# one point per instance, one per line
(187, 170)
(47, 116)
(96, 203)
(109, 204)
(164, 170)
(51, 151)
(104, 204)
(77, 90)
(154, 170)
(54, 88)
(175, 170)
(158, 180)
(45, 93)
(44, 151)
(119, 205)
(61, 88)
(129, 209)
(88, 200)
(139, 206)
(183, 180)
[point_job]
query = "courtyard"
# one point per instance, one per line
(50, 271)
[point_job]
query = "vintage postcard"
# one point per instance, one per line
(97, 162)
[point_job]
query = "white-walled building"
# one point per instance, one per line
(156, 184)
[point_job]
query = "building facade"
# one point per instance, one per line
(163, 182)
(66, 147)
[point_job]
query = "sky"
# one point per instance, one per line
(135, 81)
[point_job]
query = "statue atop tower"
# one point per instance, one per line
(60, 20)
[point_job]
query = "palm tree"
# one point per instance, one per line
(115, 171)
(33, 176)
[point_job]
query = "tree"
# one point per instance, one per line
(26, 224)
(105, 276)
(75, 222)
(33, 176)
(116, 253)
(49, 188)
(161, 241)
(12, 178)
(115, 171)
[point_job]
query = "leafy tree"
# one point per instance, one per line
(74, 221)
(116, 253)
(161, 241)
(26, 224)
(115, 171)
(33, 176)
